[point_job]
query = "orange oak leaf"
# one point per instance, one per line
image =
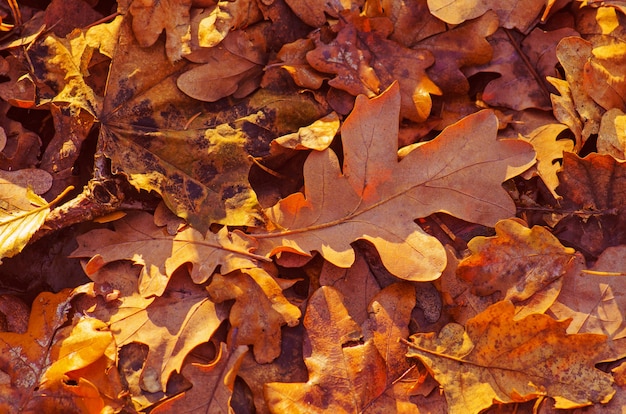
(365, 62)
(459, 172)
(171, 325)
(496, 359)
(53, 366)
(412, 21)
(210, 25)
(212, 384)
(259, 312)
(520, 263)
(549, 149)
(137, 238)
(293, 58)
(150, 18)
(345, 375)
(611, 137)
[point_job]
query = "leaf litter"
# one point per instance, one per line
(303, 206)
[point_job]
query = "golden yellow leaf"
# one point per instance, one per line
(496, 359)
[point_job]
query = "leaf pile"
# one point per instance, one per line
(304, 206)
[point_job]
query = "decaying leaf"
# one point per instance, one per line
(497, 359)
(337, 208)
(612, 137)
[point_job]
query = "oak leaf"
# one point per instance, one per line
(497, 359)
(412, 21)
(519, 262)
(459, 172)
(171, 325)
(512, 14)
(611, 137)
(137, 238)
(49, 368)
(593, 194)
(345, 375)
(150, 18)
(212, 384)
(365, 62)
(259, 312)
(210, 25)
(549, 150)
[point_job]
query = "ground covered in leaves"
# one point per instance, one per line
(295, 206)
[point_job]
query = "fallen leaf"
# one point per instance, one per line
(317, 136)
(344, 373)
(151, 18)
(293, 58)
(411, 20)
(611, 137)
(160, 254)
(521, 263)
(497, 359)
(171, 325)
(375, 186)
(210, 25)
(42, 363)
(365, 62)
(549, 150)
(313, 12)
(212, 384)
(258, 325)
(593, 195)
(512, 14)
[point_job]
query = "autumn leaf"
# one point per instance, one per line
(212, 384)
(344, 374)
(259, 324)
(171, 325)
(520, 263)
(337, 208)
(40, 366)
(611, 138)
(497, 359)
(137, 238)
(365, 62)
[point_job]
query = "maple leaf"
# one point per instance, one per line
(258, 325)
(365, 62)
(497, 359)
(344, 375)
(137, 238)
(46, 366)
(463, 179)
(212, 384)
(171, 325)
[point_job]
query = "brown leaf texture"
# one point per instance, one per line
(343, 376)
(337, 208)
(171, 325)
(137, 238)
(495, 358)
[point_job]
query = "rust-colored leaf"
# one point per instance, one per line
(339, 207)
(497, 359)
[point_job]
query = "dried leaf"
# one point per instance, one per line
(317, 136)
(344, 374)
(462, 179)
(520, 263)
(137, 238)
(512, 14)
(171, 325)
(259, 312)
(212, 384)
(497, 359)
(611, 138)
